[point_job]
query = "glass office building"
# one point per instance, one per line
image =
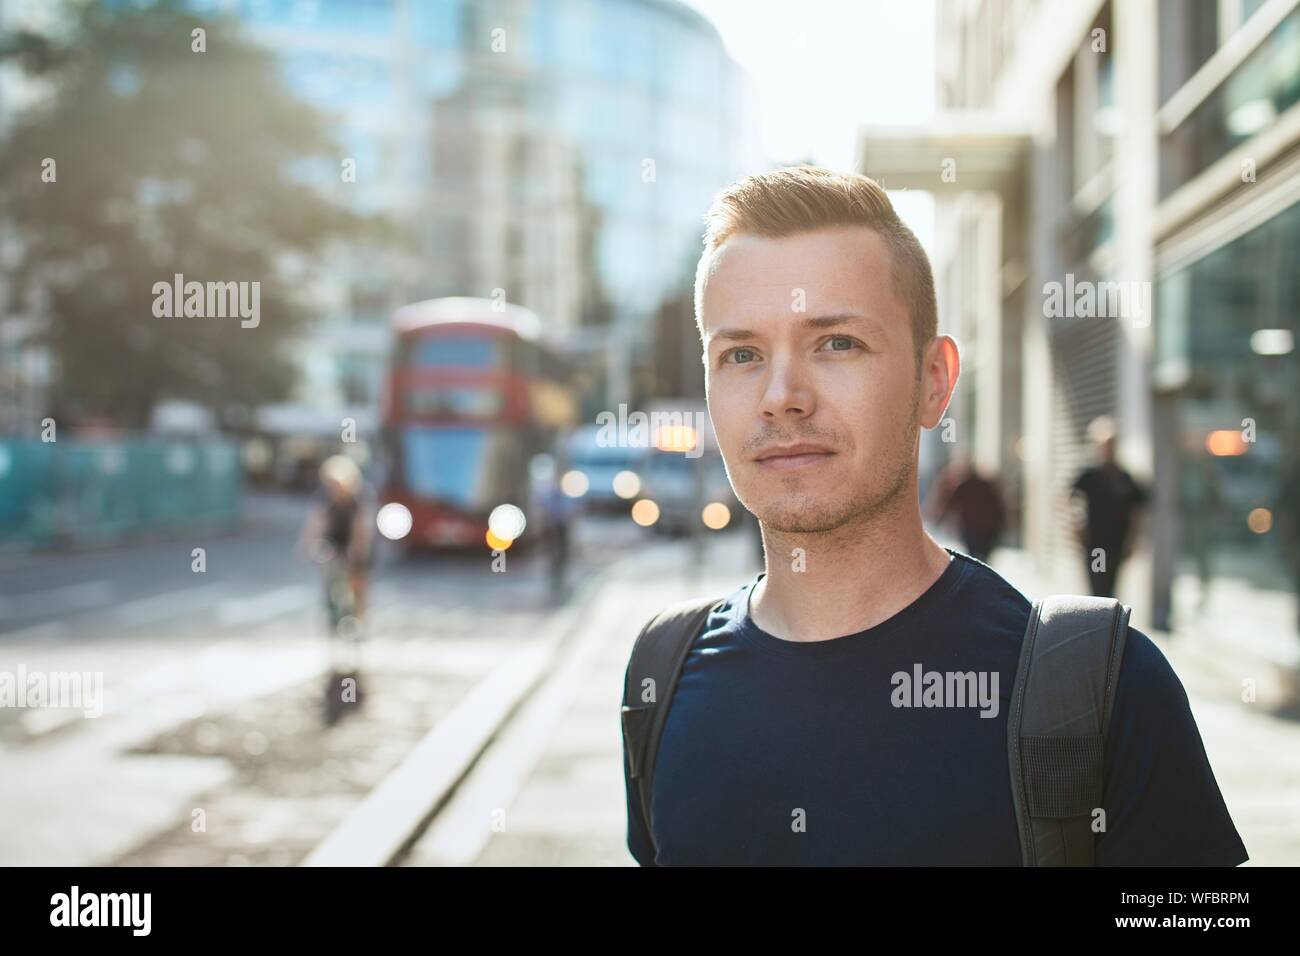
(562, 151)
(1226, 351)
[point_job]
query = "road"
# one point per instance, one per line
(229, 663)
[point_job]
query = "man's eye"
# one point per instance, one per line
(841, 343)
(737, 356)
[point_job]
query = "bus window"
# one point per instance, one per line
(446, 464)
(440, 352)
(467, 402)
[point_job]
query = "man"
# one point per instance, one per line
(1112, 500)
(558, 512)
(976, 504)
(338, 526)
(783, 743)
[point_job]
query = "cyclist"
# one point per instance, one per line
(339, 525)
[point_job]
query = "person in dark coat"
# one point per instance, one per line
(976, 503)
(1112, 499)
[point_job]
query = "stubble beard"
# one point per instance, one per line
(853, 506)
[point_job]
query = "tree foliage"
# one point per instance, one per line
(166, 161)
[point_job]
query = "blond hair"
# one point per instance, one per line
(797, 199)
(343, 471)
(1102, 429)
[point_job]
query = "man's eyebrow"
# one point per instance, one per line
(812, 322)
(841, 318)
(732, 335)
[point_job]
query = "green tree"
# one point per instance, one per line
(166, 160)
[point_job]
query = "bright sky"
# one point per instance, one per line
(822, 68)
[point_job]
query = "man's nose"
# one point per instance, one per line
(787, 394)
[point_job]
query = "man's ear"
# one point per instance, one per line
(940, 367)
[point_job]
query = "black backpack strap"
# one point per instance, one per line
(652, 672)
(1056, 731)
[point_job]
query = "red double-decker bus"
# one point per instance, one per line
(473, 393)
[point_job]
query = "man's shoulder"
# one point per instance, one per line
(980, 587)
(650, 651)
(1147, 679)
(664, 621)
(1166, 805)
(1086, 476)
(682, 610)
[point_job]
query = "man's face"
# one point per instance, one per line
(837, 377)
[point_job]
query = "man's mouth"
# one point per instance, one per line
(790, 457)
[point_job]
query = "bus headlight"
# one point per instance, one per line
(507, 522)
(394, 521)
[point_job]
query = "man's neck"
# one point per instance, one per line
(847, 580)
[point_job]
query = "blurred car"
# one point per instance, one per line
(600, 465)
(682, 487)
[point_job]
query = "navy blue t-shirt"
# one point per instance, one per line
(779, 752)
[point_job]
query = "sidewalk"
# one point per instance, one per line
(1255, 752)
(551, 790)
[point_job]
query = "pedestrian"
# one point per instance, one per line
(792, 726)
(558, 512)
(975, 503)
(1111, 499)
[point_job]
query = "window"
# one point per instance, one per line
(446, 464)
(1254, 95)
(441, 352)
(1226, 326)
(466, 402)
(1095, 112)
(1189, 35)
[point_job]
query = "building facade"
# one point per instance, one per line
(556, 153)
(1117, 186)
